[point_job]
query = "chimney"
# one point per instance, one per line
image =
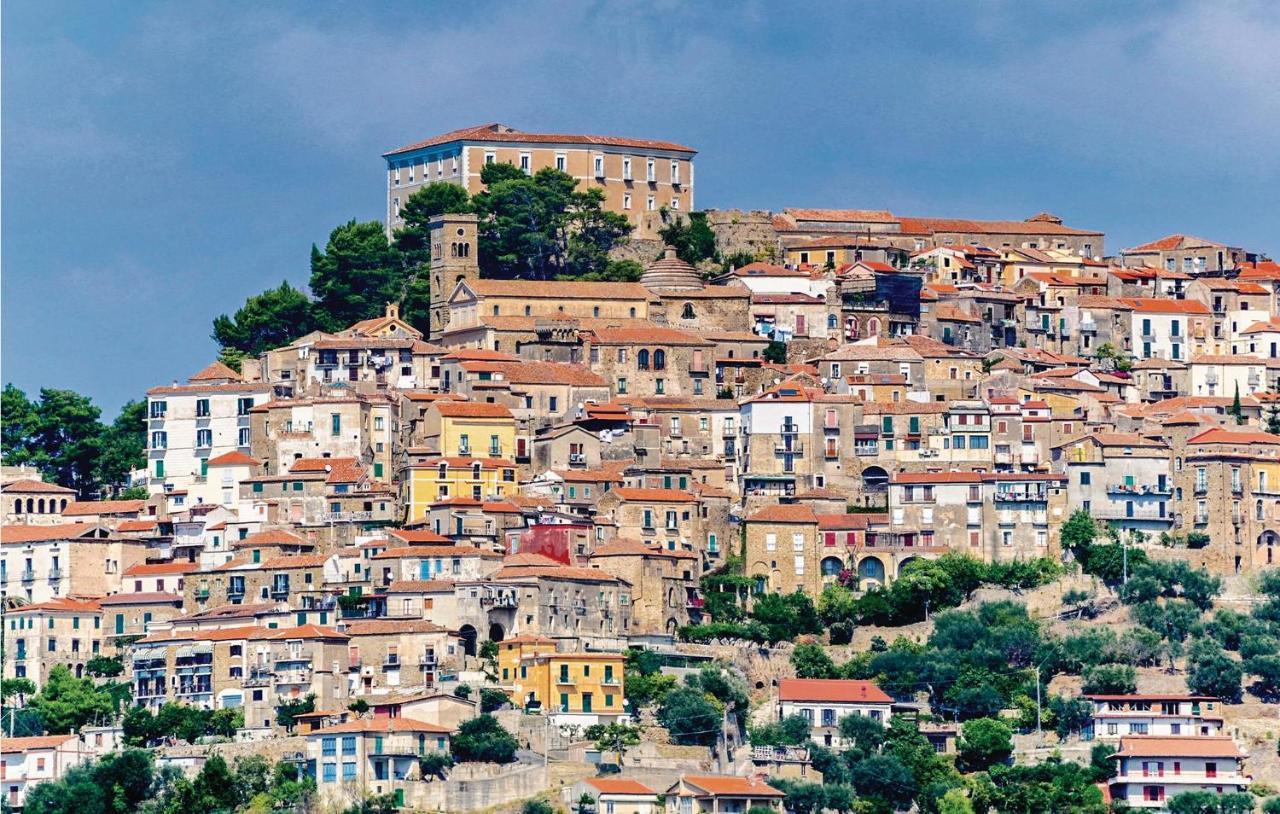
(669, 254)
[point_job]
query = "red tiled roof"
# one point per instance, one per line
(37, 534)
(619, 785)
(784, 513)
(215, 371)
(1222, 435)
(271, 537)
(850, 691)
(296, 561)
(64, 604)
(16, 745)
(35, 486)
(472, 409)
(234, 458)
(437, 551)
(1177, 746)
(651, 495)
(731, 786)
(161, 569)
(501, 133)
(91, 507)
(127, 526)
(419, 585)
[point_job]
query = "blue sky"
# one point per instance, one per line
(164, 161)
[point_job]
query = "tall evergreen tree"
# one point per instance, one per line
(355, 276)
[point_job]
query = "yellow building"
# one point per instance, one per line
(467, 428)
(434, 479)
(582, 688)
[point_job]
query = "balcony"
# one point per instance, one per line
(55, 574)
(1134, 489)
(577, 459)
(201, 594)
(258, 677)
(1020, 496)
(28, 575)
(795, 448)
(789, 429)
(346, 517)
(1088, 327)
(299, 676)
(728, 431)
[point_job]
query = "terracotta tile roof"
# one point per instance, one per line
(437, 551)
(214, 372)
(161, 569)
(952, 313)
(91, 507)
(314, 465)
(1222, 435)
(842, 215)
(272, 537)
(420, 585)
(850, 522)
(558, 571)
(1271, 325)
(501, 133)
(1268, 271)
(619, 785)
(621, 547)
(534, 372)
(201, 389)
(472, 409)
(784, 513)
(38, 534)
(937, 477)
(1173, 242)
(731, 786)
(650, 495)
(1226, 359)
(849, 691)
(590, 475)
(35, 487)
(61, 604)
(16, 745)
(141, 598)
(649, 335)
(1177, 746)
(559, 290)
(1158, 305)
(529, 559)
(296, 561)
(130, 526)
(381, 627)
(1031, 226)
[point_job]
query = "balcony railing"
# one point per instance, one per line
(795, 448)
(28, 575)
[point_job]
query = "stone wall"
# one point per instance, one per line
(479, 786)
(739, 230)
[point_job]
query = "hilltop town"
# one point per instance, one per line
(657, 509)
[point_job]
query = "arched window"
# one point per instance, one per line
(64, 504)
(17, 506)
(642, 360)
(687, 313)
(832, 322)
(659, 360)
(853, 328)
(31, 505)
(633, 313)
(873, 327)
(1259, 511)
(40, 505)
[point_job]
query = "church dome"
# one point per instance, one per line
(670, 273)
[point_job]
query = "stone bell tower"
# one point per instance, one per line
(453, 258)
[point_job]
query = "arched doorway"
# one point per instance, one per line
(832, 566)
(468, 636)
(496, 633)
(1270, 539)
(875, 480)
(902, 565)
(871, 570)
